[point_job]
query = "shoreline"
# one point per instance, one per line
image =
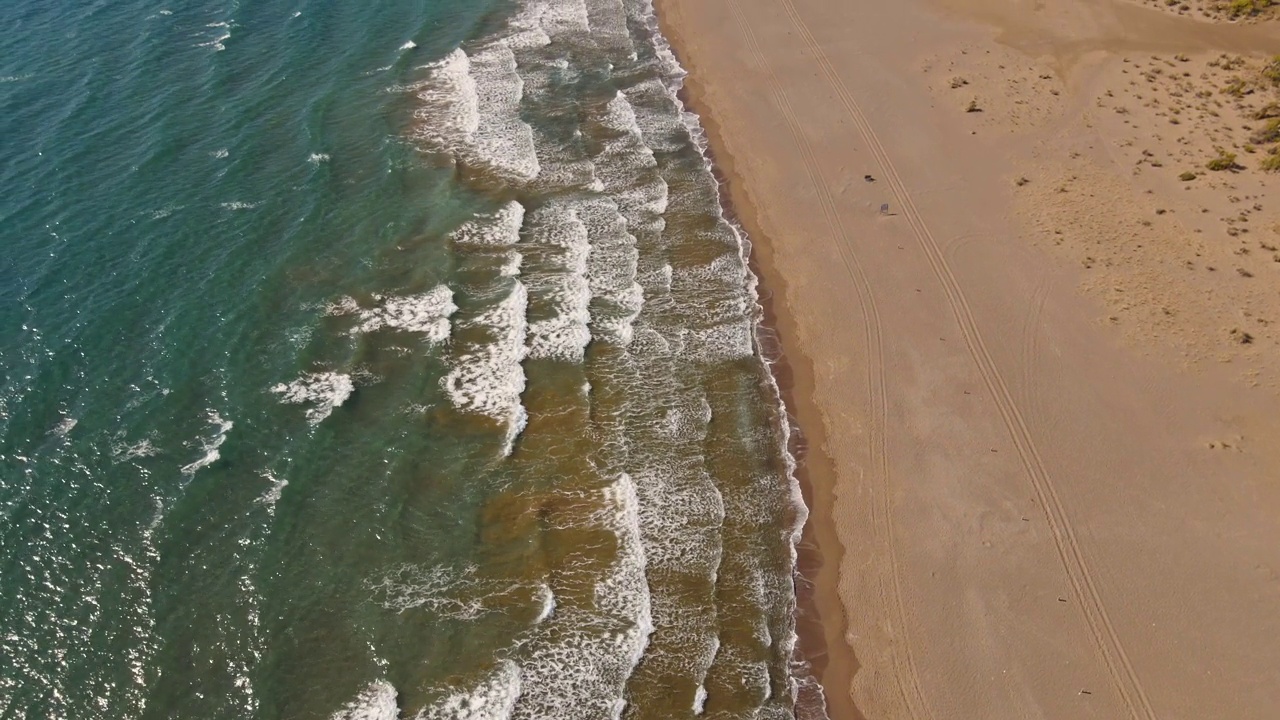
(820, 640)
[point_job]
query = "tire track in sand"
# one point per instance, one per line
(906, 676)
(1083, 586)
(1031, 342)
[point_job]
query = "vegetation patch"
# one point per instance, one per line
(1224, 161)
(1247, 8)
(1268, 133)
(1272, 70)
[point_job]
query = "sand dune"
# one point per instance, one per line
(1042, 451)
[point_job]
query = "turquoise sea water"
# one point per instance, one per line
(374, 361)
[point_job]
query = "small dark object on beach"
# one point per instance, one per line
(868, 178)
(884, 208)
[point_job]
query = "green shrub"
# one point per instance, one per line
(1271, 70)
(1224, 161)
(1268, 133)
(1236, 87)
(1238, 8)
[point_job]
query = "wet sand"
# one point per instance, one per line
(1034, 491)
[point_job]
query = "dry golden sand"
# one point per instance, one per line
(1185, 257)
(1044, 459)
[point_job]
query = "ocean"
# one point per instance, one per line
(379, 360)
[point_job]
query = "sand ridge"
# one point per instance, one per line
(1038, 511)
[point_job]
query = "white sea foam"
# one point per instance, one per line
(564, 19)
(548, 599)
(123, 452)
(611, 270)
(221, 32)
(628, 152)
(723, 342)
(165, 211)
(671, 71)
(317, 158)
(639, 193)
(524, 28)
(578, 661)
(628, 169)
(345, 305)
(273, 493)
(560, 172)
(682, 512)
(409, 45)
(658, 116)
(502, 138)
(427, 313)
(220, 153)
(470, 107)
(487, 378)
(493, 698)
(619, 116)
(565, 335)
(609, 26)
(209, 445)
(238, 205)
(624, 592)
(376, 702)
(501, 227)
(64, 426)
(448, 103)
(446, 592)
(511, 262)
(324, 391)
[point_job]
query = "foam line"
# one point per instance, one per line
(324, 391)
(209, 446)
(564, 336)
(469, 107)
(487, 379)
(376, 702)
(493, 698)
(427, 313)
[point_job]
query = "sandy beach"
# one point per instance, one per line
(1039, 392)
